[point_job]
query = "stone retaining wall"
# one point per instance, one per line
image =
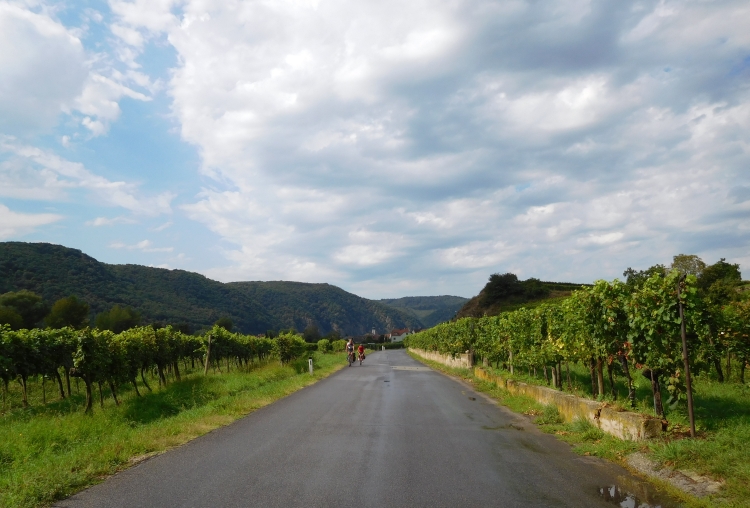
(460, 361)
(621, 424)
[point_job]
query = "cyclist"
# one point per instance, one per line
(361, 351)
(350, 351)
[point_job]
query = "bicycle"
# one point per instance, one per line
(350, 357)
(361, 357)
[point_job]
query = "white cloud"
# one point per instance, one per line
(104, 221)
(395, 146)
(144, 246)
(14, 224)
(34, 173)
(42, 69)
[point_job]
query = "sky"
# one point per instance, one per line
(389, 148)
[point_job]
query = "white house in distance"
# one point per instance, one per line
(399, 334)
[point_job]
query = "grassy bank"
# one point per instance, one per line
(720, 451)
(52, 450)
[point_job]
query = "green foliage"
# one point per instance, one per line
(504, 293)
(324, 345)
(635, 278)
(610, 324)
(68, 312)
(225, 323)
(587, 430)
(117, 319)
(507, 287)
(719, 271)
(338, 345)
(178, 296)
(28, 305)
(288, 346)
(11, 318)
(430, 310)
(688, 264)
(550, 416)
(50, 451)
(311, 334)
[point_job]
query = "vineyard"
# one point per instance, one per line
(613, 327)
(100, 358)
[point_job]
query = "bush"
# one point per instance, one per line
(390, 345)
(288, 346)
(338, 345)
(324, 345)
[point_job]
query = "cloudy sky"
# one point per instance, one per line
(391, 148)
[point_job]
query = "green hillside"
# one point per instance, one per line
(430, 310)
(506, 292)
(178, 296)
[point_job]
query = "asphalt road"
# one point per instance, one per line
(388, 433)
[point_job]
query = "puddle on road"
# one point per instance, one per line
(624, 499)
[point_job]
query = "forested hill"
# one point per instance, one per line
(430, 310)
(506, 292)
(178, 296)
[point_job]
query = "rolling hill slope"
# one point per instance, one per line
(430, 310)
(178, 296)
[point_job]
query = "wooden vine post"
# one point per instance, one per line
(208, 355)
(688, 385)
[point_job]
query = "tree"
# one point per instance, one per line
(225, 323)
(311, 334)
(500, 287)
(11, 318)
(717, 287)
(534, 288)
(688, 264)
(68, 311)
(333, 335)
(118, 319)
(634, 279)
(27, 304)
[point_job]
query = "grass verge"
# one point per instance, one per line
(720, 450)
(48, 452)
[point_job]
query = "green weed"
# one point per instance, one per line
(48, 452)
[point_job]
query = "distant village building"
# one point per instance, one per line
(399, 334)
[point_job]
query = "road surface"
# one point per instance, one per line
(390, 433)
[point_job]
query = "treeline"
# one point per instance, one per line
(104, 358)
(174, 297)
(26, 309)
(620, 326)
(506, 292)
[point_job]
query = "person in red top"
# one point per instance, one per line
(361, 351)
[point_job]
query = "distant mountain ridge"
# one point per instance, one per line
(179, 296)
(430, 310)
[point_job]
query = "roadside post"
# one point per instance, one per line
(383, 348)
(686, 361)
(309, 363)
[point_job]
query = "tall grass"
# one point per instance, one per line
(48, 452)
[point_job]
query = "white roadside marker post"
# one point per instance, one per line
(309, 362)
